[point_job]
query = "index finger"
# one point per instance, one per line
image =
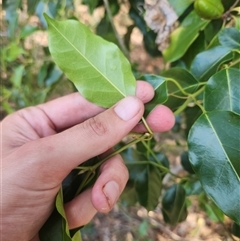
(73, 109)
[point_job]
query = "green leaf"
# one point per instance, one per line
(105, 30)
(149, 187)
(214, 151)
(211, 32)
(180, 6)
(129, 195)
(92, 4)
(186, 163)
(186, 81)
(230, 37)
(213, 212)
(98, 69)
(207, 63)
(150, 45)
(31, 6)
(197, 47)
(146, 177)
(11, 7)
(192, 187)
(56, 227)
(13, 51)
(236, 230)
(160, 87)
(174, 207)
(16, 78)
(27, 30)
(182, 37)
(222, 91)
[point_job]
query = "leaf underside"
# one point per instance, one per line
(98, 69)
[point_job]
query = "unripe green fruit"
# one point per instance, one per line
(209, 9)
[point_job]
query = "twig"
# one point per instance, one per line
(226, 14)
(119, 39)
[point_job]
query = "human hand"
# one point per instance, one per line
(42, 144)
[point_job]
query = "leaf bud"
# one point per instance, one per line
(209, 9)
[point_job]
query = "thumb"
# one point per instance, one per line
(57, 155)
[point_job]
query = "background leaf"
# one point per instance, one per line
(174, 207)
(230, 37)
(182, 37)
(56, 227)
(160, 87)
(180, 6)
(206, 63)
(222, 91)
(98, 68)
(187, 82)
(216, 159)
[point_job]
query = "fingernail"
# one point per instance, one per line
(127, 108)
(111, 192)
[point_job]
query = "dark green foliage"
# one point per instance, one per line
(201, 87)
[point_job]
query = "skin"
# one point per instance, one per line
(42, 144)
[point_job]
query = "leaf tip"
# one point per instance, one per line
(47, 18)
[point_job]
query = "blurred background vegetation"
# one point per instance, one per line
(29, 77)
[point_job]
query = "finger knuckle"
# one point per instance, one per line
(97, 126)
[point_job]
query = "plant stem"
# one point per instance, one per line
(233, 63)
(159, 165)
(84, 182)
(143, 137)
(119, 39)
(191, 97)
(147, 127)
(178, 85)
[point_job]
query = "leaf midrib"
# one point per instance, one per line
(88, 60)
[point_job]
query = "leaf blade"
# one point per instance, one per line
(206, 63)
(216, 160)
(98, 69)
(222, 91)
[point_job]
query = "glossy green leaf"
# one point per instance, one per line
(56, 227)
(187, 82)
(180, 6)
(186, 163)
(160, 87)
(214, 151)
(222, 91)
(150, 44)
(192, 187)
(230, 37)
(129, 195)
(97, 68)
(174, 207)
(211, 33)
(197, 47)
(182, 37)
(207, 63)
(146, 177)
(149, 187)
